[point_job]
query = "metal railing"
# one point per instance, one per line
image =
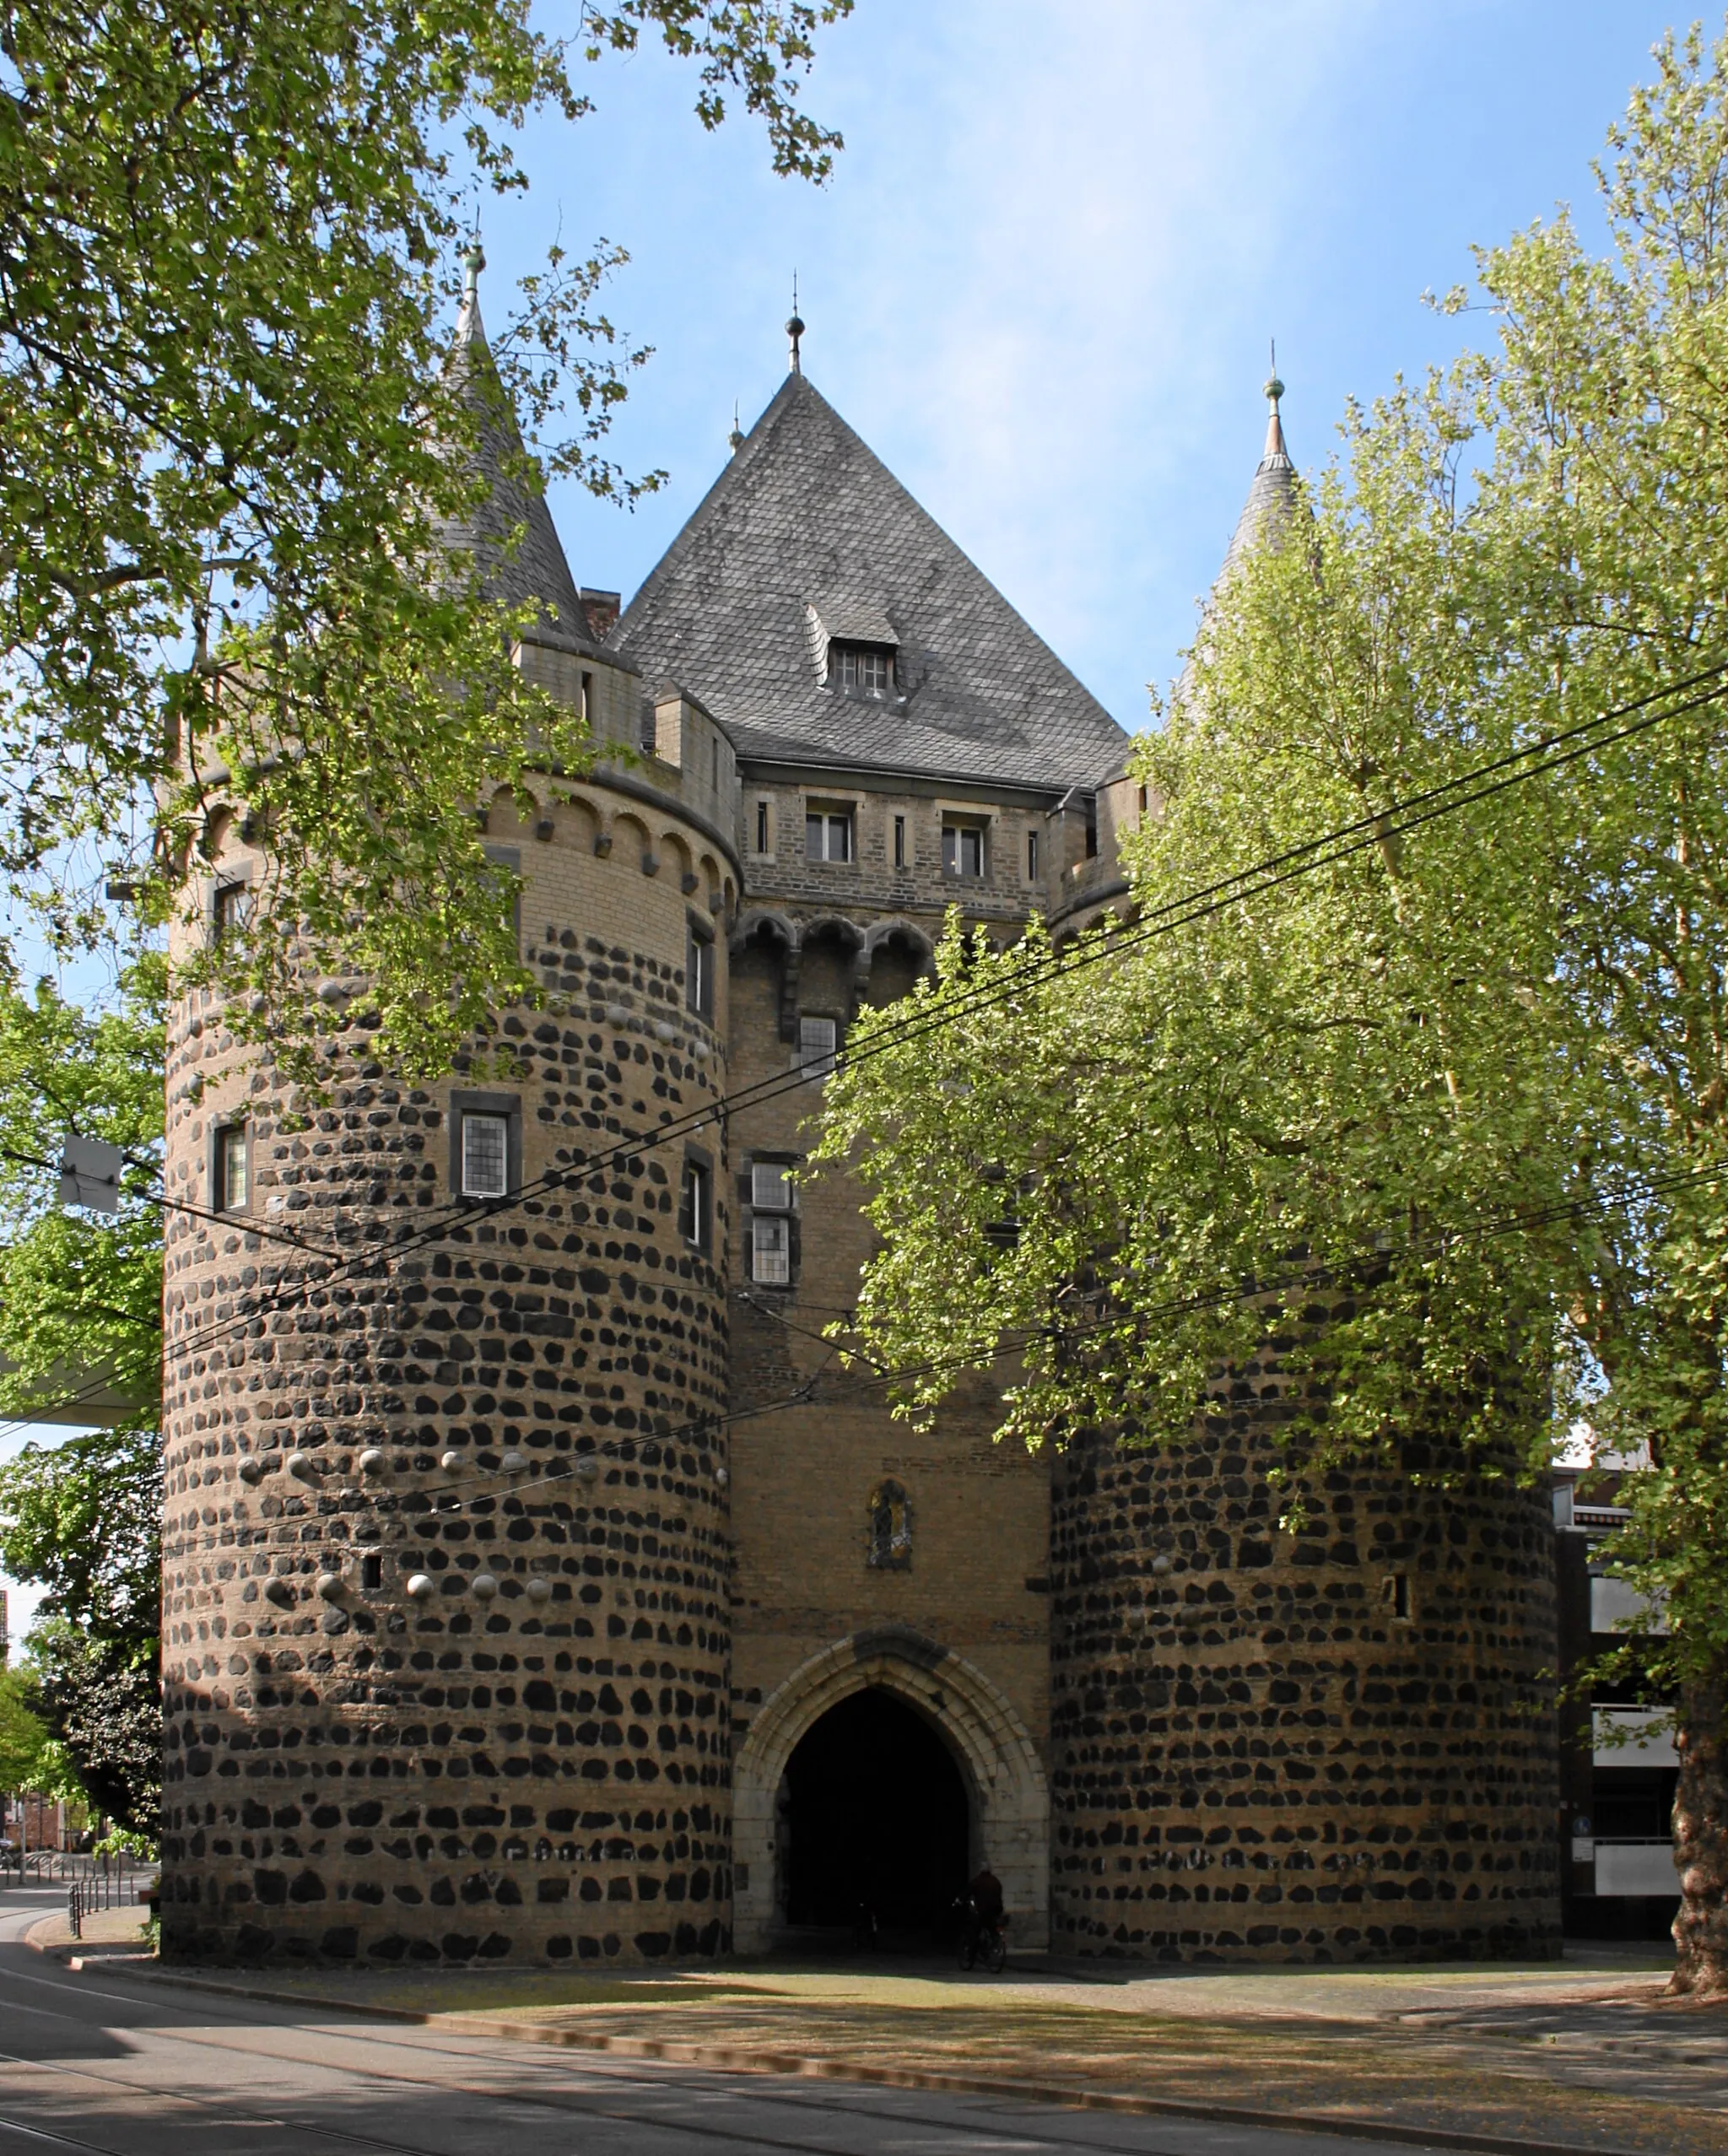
(108, 1882)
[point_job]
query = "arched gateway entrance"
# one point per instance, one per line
(874, 1813)
(949, 1756)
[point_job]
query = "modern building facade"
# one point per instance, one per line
(538, 1587)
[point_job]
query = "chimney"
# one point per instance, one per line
(600, 610)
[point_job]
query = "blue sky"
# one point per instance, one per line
(1041, 282)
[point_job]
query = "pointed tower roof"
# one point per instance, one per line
(806, 537)
(535, 568)
(1272, 493)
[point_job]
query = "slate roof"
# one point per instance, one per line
(806, 534)
(1272, 493)
(536, 567)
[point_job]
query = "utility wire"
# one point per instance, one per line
(1484, 782)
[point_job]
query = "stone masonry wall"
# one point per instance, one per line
(530, 1760)
(1254, 1756)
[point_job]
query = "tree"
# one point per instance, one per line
(80, 1310)
(1440, 1106)
(232, 450)
(23, 1738)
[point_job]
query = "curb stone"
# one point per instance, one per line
(724, 2059)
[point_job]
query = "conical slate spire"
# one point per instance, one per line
(534, 568)
(1272, 493)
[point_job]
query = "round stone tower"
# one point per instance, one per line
(446, 1645)
(1331, 1745)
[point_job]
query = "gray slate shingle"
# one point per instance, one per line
(807, 526)
(536, 567)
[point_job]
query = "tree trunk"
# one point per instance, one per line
(1701, 1845)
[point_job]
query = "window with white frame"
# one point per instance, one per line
(485, 1156)
(962, 849)
(696, 1203)
(861, 669)
(771, 1187)
(771, 1250)
(818, 1039)
(699, 971)
(770, 1224)
(828, 834)
(232, 1169)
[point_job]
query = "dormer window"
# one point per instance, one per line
(861, 669)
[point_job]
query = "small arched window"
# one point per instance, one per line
(888, 1542)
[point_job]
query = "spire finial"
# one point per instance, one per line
(1275, 453)
(795, 328)
(473, 261)
(736, 438)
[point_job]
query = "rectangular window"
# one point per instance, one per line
(231, 909)
(699, 971)
(771, 1252)
(962, 849)
(233, 1169)
(371, 1572)
(485, 1156)
(899, 842)
(1032, 857)
(864, 669)
(828, 834)
(588, 700)
(714, 765)
(817, 1039)
(762, 827)
(485, 1144)
(1142, 801)
(771, 1187)
(695, 1208)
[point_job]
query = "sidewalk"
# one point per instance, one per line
(1576, 2055)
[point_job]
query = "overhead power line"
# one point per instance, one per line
(1370, 830)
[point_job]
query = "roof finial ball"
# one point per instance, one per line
(736, 438)
(795, 328)
(1274, 387)
(473, 261)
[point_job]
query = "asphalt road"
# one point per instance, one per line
(93, 2063)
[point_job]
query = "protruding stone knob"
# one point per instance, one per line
(483, 1585)
(329, 1586)
(422, 1584)
(1160, 1563)
(721, 1477)
(513, 1462)
(450, 1461)
(586, 1469)
(302, 1466)
(371, 1461)
(279, 1592)
(251, 1470)
(539, 1590)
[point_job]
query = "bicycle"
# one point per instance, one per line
(983, 1940)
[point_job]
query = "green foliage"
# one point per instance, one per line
(1443, 1119)
(104, 1710)
(80, 1293)
(80, 1306)
(231, 445)
(24, 1742)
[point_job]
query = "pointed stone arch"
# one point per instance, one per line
(1005, 1778)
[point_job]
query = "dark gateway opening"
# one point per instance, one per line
(877, 1818)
